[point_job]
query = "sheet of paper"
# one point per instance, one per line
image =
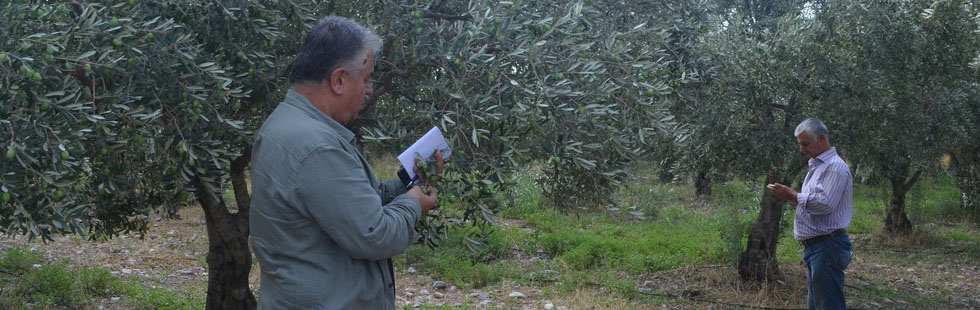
(427, 145)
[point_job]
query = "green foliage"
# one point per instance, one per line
(135, 106)
(736, 203)
(968, 181)
(935, 198)
(26, 281)
(511, 83)
(789, 250)
(161, 298)
(595, 249)
(523, 193)
(570, 187)
(19, 260)
(870, 203)
(633, 247)
(460, 262)
(644, 196)
(900, 78)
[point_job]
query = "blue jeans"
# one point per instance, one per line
(825, 264)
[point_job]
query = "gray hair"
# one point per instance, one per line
(333, 42)
(813, 127)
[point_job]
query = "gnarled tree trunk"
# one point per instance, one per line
(229, 258)
(702, 184)
(896, 221)
(758, 262)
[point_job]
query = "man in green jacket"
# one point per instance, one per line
(323, 227)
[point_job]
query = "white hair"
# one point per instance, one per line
(813, 127)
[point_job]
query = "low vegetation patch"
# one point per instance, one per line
(656, 230)
(28, 282)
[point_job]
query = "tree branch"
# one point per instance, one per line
(240, 186)
(914, 179)
(259, 95)
(214, 209)
(438, 6)
(778, 106)
(448, 17)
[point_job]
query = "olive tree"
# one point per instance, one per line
(966, 154)
(901, 92)
(575, 85)
(110, 110)
(761, 88)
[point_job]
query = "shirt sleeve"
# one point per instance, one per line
(822, 197)
(333, 190)
(391, 189)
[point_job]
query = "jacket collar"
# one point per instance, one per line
(299, 101)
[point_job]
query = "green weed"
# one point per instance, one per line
(593, 249)
(19, 260)
(736, 205)
(464, 262)
(26, 282)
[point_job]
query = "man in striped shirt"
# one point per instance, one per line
(823, 211)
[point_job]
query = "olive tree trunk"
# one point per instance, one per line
(758, 262)
(702, 184)
(896, 221)
(229, 258)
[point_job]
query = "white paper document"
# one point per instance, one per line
(427, 145)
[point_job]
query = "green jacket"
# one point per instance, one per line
(323, 227)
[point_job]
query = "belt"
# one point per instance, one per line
(819, 238)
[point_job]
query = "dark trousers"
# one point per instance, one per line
(825, 264)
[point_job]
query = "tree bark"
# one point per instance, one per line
(896, 221)
(702, 184)
(758, 262)
(229, 258)
(968, 180)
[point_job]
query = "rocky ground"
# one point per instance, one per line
(171, 255)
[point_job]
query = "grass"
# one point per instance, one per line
(659, 227)
(586, 244)
(596, 243)
(902, 297)
(27, 282)
(455, 262)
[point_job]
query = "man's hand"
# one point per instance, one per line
(783, 192)
(428, 201)
(424, 175)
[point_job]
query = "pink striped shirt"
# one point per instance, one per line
(826, 201)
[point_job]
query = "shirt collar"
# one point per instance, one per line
(297, 100)
(824, 157)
